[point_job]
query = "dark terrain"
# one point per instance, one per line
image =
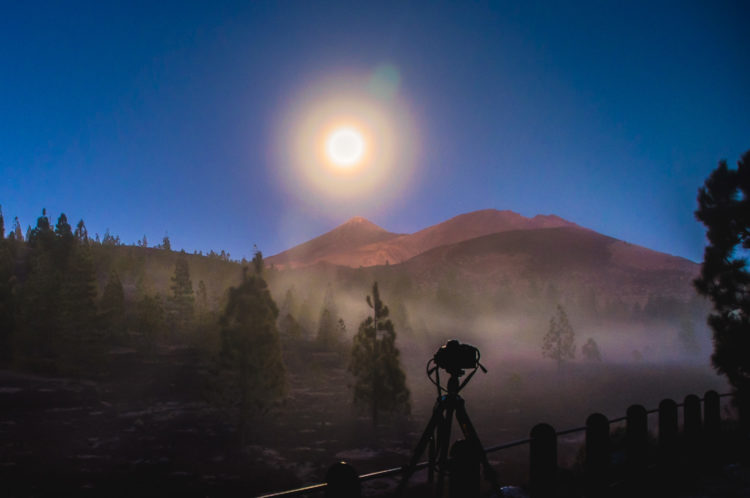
(148, 428)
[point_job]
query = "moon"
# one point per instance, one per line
(345, 147)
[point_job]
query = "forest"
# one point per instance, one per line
(297, 362)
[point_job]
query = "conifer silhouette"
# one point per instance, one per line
(380, 382)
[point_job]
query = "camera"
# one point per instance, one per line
(454, 356)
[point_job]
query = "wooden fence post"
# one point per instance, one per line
(465, 476)
(636, 440)
(712, 424)
(668, 431)
(542, 461)
(342, 482)
(598, 449)
(692, 427)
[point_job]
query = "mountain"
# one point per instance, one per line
(571, 258)
(359, 242)
(334, 246)
(495, 262)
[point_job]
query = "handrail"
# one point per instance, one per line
(398, 470)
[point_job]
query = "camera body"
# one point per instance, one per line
(454, 357)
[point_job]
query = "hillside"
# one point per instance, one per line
(334, 246)
(570, 258)
(359, 242)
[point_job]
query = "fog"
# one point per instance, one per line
(644, 358)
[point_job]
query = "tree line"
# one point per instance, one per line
(64, 305)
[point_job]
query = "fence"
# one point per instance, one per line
(699, 441)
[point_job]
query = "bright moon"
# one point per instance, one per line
(345, 147)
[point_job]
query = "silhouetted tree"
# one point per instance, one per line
(724, 208)
(251, 351)
(590, 350)
(112, 307)
(182, 300)
(328, 324)
(380, 382)
(7, 299)
(289, 304)
(202, 297)
(81, 234)
(150, 322)
(289, 329)
(82, 344)
(326, 329)
(110, 240)
(2, 224)
(17, 230)
(40, 307)
(559, 342)
(165, 244)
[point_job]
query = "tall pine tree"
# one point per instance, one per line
(254, 371)
(559, 342)
(380, 382)
(182, 300)
(724, 208)
(112, 308)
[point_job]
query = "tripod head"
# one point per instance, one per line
(455, 358)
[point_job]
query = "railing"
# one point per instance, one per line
(699, 433)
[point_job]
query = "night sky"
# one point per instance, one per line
(174, 118)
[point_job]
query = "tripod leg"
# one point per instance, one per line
(471, 435)
(427, 438)
(444, 440)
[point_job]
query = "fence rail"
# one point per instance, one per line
(698, 432)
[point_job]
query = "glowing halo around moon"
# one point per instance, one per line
(344, 150)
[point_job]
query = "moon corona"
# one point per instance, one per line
(342, 148)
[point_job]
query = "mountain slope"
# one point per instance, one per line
(386, 247)
(569, 257)
(333, 245)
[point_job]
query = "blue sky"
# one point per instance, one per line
(157, 117)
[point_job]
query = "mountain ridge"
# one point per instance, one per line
(378, 246)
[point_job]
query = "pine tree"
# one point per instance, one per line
(289, 329)
(40, 306)
(112, 307)
(64, 243)
(380, 382)
(7, 300)
(590, 350)
(202, 297)
(182, 300)
(559, 342)
(251, 350)
(81, 234)
(150, 323)
(81, 344)
(724, 208)
(328, 331)
(17, 230)
(2, 224)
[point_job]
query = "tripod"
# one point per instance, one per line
(437, 434)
